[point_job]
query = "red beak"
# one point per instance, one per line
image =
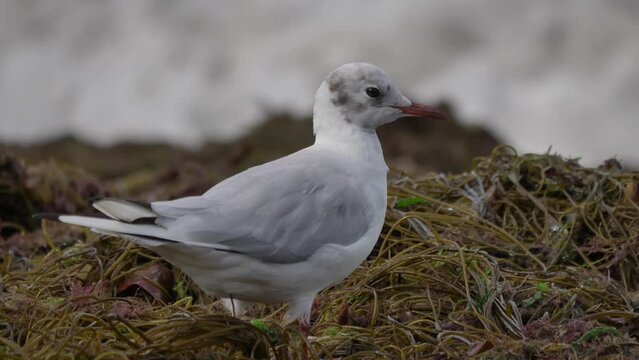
(422, 111)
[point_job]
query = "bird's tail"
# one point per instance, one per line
(128, 219)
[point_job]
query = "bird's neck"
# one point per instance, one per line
(334, 131)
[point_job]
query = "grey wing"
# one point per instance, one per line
(280, 214)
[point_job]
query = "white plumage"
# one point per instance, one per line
(283, 231)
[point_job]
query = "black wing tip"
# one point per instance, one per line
(145, 220)
(47, 216)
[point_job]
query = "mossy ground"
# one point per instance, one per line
(524, 257)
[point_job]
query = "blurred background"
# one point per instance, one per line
(115, 86)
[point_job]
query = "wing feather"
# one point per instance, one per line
(282, 212)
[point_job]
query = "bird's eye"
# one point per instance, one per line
(373, 92)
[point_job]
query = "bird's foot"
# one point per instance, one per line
(234, 306)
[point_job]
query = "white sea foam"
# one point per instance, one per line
(539, 73)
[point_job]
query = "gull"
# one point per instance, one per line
(283, 231)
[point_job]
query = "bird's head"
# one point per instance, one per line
(364, 96)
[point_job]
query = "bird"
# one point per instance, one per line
(282, 231)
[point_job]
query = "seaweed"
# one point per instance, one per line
(524, 257)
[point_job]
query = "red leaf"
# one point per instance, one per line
(157, 280)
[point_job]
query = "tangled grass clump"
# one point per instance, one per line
(524, 257)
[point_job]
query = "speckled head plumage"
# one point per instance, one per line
(365, 97)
